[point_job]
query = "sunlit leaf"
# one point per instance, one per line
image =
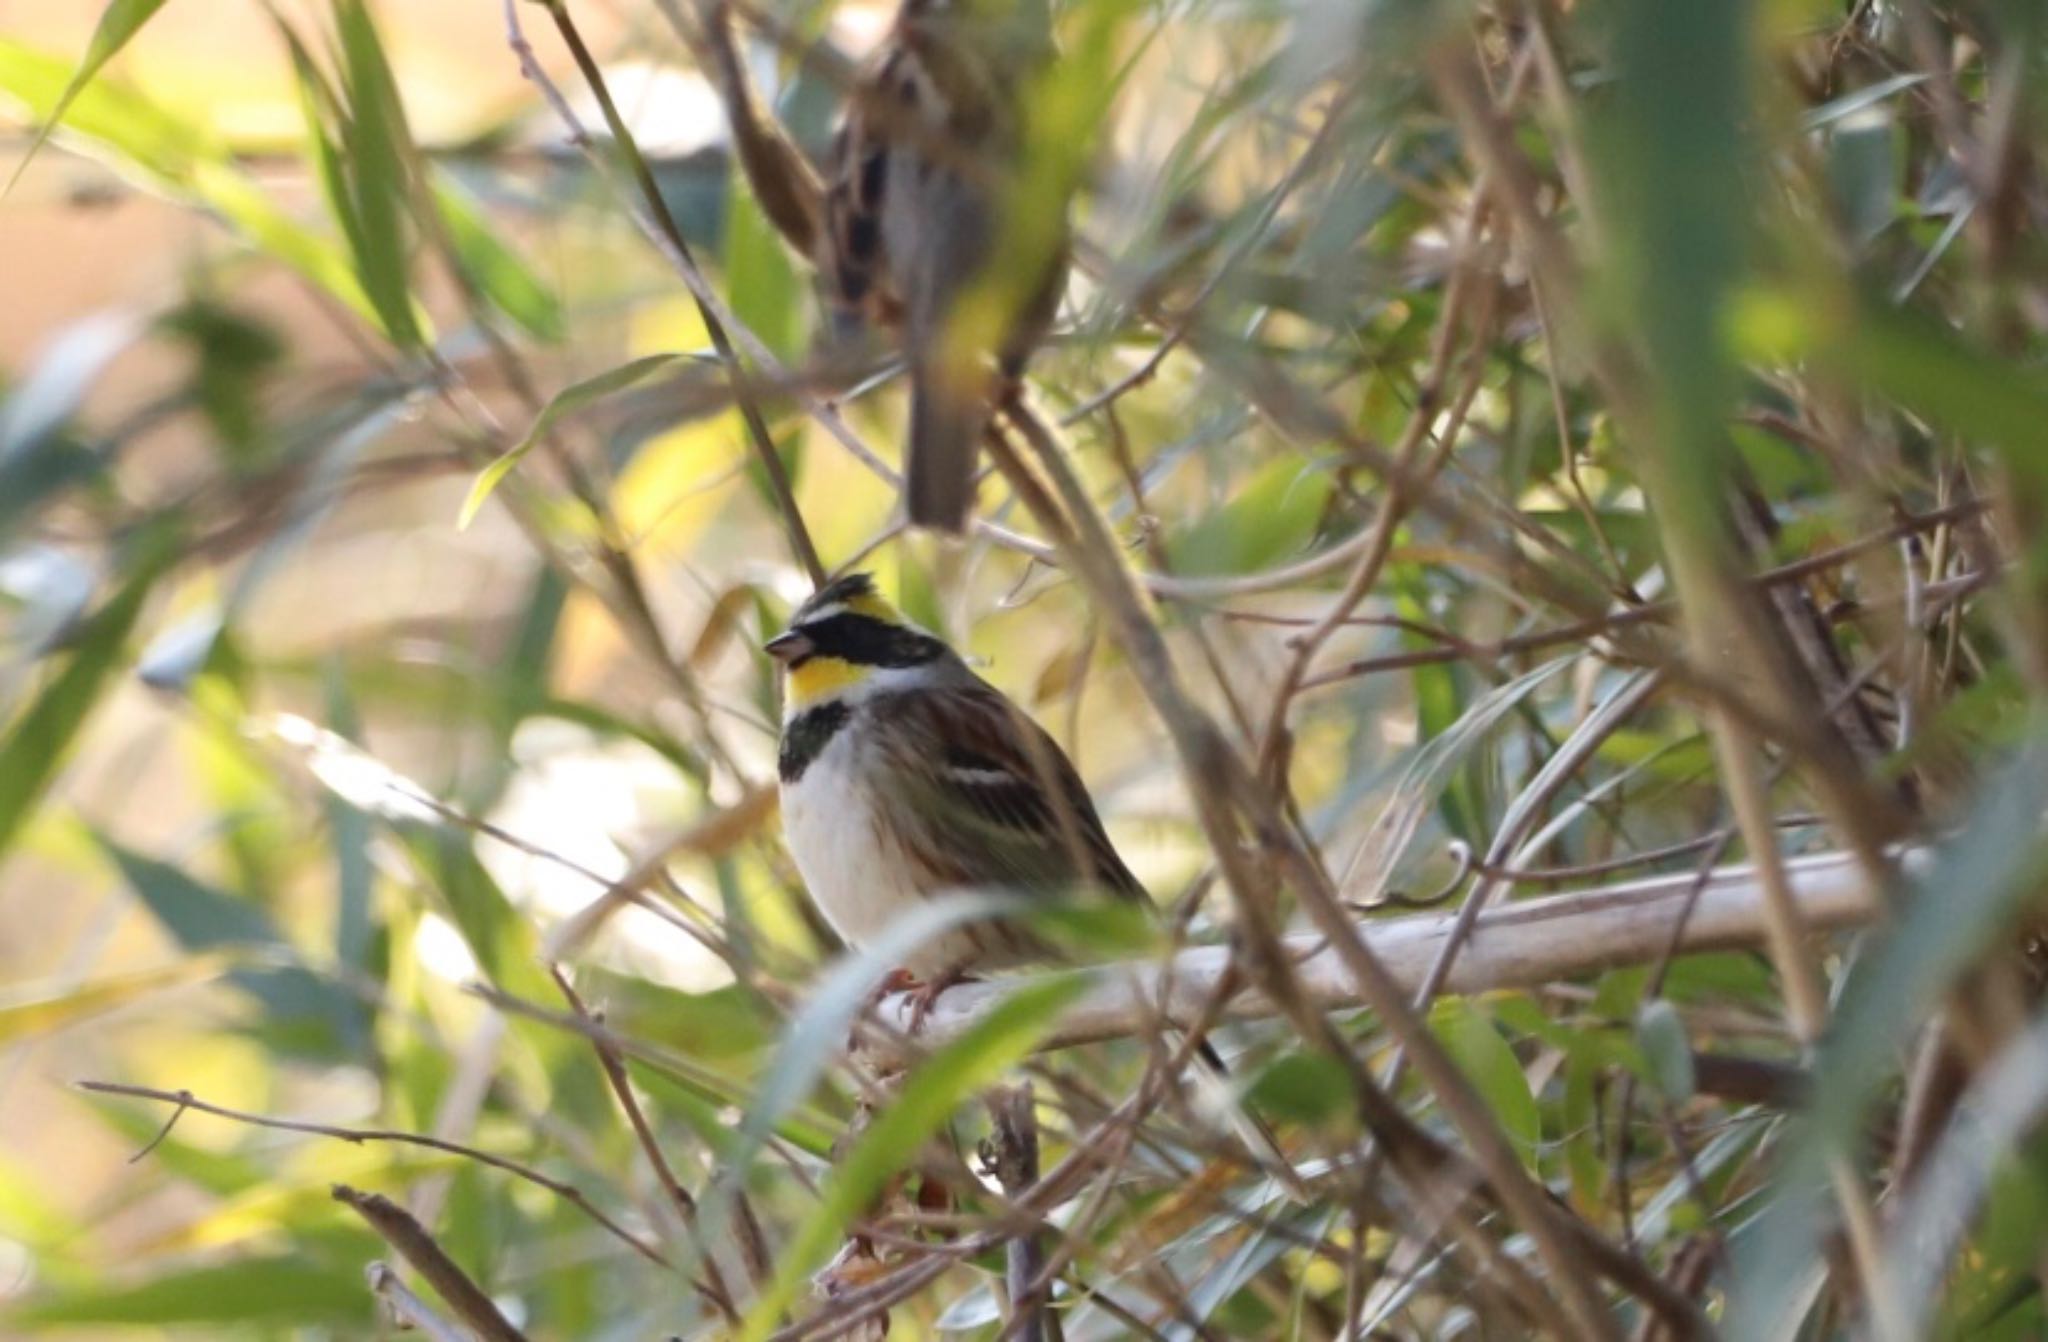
(1271, 517)
(373, 146)
(32, 1010)
(762, 283)
(119, 21)
(564, 402)
(179, 157)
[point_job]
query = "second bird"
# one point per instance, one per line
(924, 231)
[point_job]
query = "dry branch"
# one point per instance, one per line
(1517, 945)
(1013, 1158)
(405, 1234)
(407, 1309)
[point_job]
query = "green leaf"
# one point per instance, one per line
(281, 1291)
(34, 1010)
(374, 142)
(1661, 1034)
(199, 916)
(566, 401)
(1271, 517)
(119, 21)
(973, 1062)
(728, 1022)
(1966, 390)
(1863, 173)
(180, 157)
(1309, 1088)
(499, 273)
(36, 745)
(303, 1012)
(1482, 1052)
(766, 292)
(1676, 172)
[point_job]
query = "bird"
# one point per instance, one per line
(904, 775)
(925, 232)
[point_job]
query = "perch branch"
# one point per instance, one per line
(405, 1234)
(1524, 944)
(1013, 1158)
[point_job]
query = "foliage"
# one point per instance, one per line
(1556, 442)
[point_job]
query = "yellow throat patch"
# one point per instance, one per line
(820, 678)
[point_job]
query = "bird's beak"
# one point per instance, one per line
(788, 648)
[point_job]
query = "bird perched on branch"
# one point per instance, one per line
(905, 775)
(932, 230)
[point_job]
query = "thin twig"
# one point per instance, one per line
(713, 1286)
(653, 210)
(1230, 801)
(186, 1101)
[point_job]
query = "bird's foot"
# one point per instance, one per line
(925, 994)
(922, 993)
(895, 981)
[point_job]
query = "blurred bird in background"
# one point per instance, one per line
(932, 228)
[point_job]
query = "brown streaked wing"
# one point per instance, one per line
(990, 797)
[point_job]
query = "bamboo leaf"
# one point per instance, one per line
(179, 157)
(1372, 863)
(565, 402)
(119, 21)
(35, 747)
(500, 273)
(374, 142)
(36, 1010)
(1668, 1053)
(1478, 1047)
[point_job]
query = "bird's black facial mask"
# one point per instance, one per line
(864, 640)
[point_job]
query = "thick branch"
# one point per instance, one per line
(1517, 945)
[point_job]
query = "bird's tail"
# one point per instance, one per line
(938, 468)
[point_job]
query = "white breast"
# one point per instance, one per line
(832, 834)
(852, 865)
